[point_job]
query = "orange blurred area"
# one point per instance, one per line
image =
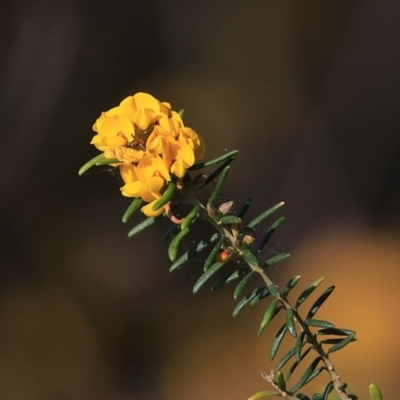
(308, 92)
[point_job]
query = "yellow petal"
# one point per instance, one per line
(128, 155)
(128, 173)
(128, 107)
(117, 124)
(154, 142)
(146, 101)
(143, 118)
(132, 189)
(98, 143)
(114, 141)
(185, 153)
(148, 210)
(178, 168)
(200, 150)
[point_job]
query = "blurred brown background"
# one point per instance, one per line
(308, 91)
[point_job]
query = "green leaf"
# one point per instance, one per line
(246, 300)
(308, 290)
(307, 375)
(297, 362)
(131, 209)
(174, 245)
(291, 284)
(318, 303)
(193, 251)
(335, 331)
(249, 257)
(218, 187)
(280, 381)
(283, 361)
(319, 323)
(242, 284)
(316, 396)
(171, 232)
(290, 323)
(229, 219)
(374, 392)
(190, 217)
(227, 156)
(271, 230)
(228, 278)
(107, 161)
(302, 396)
(181, 112)
(331, 341)
(328, 389)
(245, 207)
(264, 394)
(213, 254)
(274, 290)
(277, 341)
(342, 343)
(166, 197)
(207, 275)
(275, 260)
(300, 342)
(143, 225)
(262, 295)
(91, 163)
(270, 313)
(264, 216)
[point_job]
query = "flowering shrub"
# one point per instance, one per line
(155, 153)
(150, 145)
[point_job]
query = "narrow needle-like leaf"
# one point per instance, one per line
(242, 284)
(243, 210)
(327, 390)
(319, 323)
(174, 245)
(342, 343)
(264, 215)
(228, 278)
(277, 341)
(193, 251)
(275, 260)
(218, 187)
(290, 322)
(227, 156)
(143, 225)
(131, 209)
(246, 300)
(211, 258)
(264, 240)
(270, 313)
(207, 275)
(307, 375)
(166, 197)
(190, 217)
(308, 290)
(91, 163)
(318, 303)
(107, 161)
(374, 392)
(291, 284)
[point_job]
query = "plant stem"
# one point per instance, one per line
(238, 247)
(339, 386)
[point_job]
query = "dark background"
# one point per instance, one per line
(308, 91)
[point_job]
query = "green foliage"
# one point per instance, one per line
(234, 253)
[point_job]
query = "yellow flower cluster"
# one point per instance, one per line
(151, 144)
